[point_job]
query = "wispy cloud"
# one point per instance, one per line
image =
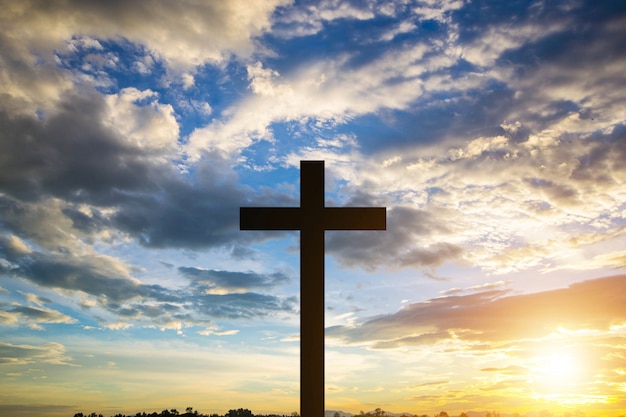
(33, 317)
(52, 353)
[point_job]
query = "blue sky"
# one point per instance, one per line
(132, 132)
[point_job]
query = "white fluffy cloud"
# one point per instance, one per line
(141, 120)
(183, 34)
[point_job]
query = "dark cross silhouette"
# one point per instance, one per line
(312, 218)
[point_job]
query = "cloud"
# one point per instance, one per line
(216, 332)
(559, 59)
(537, 157)
(506, 202)
(33, 317)
(495, 317)
(79, 270)
(96, 275)
(44, 224)
(35, 299)
(141, 120)
(213, 282)
(87, 148)
(123, 301)
(309, 18)
(428, 384)
(183, 214)
(243, 305)
(51, 353)
(481, 287)
(187, 35)
(402, 27)
(112, 173)
(401, 87)
(509, 370)
(469, 134)
(406, 227)
(502, 203)
(327, 90)
(439, 10)
(118, 326)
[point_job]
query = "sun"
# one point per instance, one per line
(559, 371)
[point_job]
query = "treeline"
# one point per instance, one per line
(244, 412)
(190, 412)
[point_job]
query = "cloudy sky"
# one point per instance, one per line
(494, 133)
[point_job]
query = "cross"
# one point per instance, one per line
(312, 218)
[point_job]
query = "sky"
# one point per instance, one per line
(493, 132)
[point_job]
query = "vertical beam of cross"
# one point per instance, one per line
(312, 218)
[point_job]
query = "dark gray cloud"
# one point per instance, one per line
(462, 114)
(431, 256)
(241, 252)
(604, 160)
(190, 307)
(154, 311)
(209, 280)
(72, 155)
(88, 224)
(183, 214)
(406, 227)
(196, 213)
(558, 193)
(91, 274)
(244, 305)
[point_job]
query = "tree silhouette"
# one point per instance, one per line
(241, 412)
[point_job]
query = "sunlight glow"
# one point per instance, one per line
(559, 370)
(560, 377)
